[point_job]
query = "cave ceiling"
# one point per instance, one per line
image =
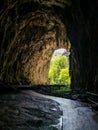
(30, 31)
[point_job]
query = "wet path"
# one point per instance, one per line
(76, 115)
(29, 110)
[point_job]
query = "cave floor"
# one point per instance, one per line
(77, 115)
(25, 110)
(29, 110)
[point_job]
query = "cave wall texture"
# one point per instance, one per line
(30, 31)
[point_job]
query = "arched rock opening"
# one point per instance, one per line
(30, 30)
(29, 38)
(59, 68)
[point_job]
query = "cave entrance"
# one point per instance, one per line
(58, 74)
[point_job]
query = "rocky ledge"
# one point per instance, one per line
(27, 110)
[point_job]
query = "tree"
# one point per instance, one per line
(53, 74)
(64, 76)
(56, 73)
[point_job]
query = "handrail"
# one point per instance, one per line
(93, 101)
(93, 94)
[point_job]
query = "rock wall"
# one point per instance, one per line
(84, 54)
(31, 30)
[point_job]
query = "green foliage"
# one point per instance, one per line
(59, 70)
(64, 76)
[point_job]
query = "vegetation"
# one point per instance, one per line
(59, 71)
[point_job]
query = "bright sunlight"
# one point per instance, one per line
(59, 68)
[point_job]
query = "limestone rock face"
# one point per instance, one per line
(29, 34)
(84, 56)
(30, 30)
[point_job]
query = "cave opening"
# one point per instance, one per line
(58, 74)
(30, 34)
(30, 31)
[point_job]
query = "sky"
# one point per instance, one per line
(61, 51)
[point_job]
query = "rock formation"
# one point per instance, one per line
(29, 111)
(30, 30)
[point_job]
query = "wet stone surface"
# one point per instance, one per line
(27, 111)
(77, 115)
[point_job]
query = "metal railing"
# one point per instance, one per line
(92, 98)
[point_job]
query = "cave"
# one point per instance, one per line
(31, 30)
(59, 68)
